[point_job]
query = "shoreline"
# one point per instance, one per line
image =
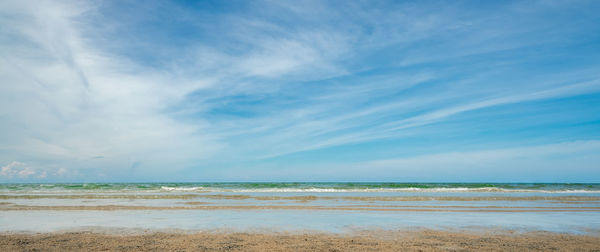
(54, 207)
(223, 240)
(202, 206)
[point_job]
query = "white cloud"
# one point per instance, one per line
(62, 99)
(23, 171)
(61, 171)
(562, 91)
(68, 96)
(20, 170)
(11, 169)
(26, 172)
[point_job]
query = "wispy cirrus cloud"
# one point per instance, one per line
(178, 90)
(65, 102)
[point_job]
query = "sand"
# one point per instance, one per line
(422, 240)
(306, 198)
(194, 205)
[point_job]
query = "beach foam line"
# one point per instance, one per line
(182, 189)
(302, 190)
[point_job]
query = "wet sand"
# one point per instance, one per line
(201, 206)
(244, 212)
(306, 198)
(422, 240)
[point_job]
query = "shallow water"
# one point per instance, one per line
(329, 207)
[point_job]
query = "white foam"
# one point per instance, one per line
(298, 190)
(409, 189)
(182, 189)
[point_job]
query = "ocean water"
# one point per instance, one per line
(307, 187)
(327, 207)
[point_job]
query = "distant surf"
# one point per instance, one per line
(306, 187)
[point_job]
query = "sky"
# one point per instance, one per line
(394, 91)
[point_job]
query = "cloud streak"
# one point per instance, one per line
(183, 90)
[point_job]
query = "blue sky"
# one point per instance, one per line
(445, 91)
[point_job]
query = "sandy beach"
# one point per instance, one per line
(422, 240)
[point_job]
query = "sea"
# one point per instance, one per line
(299, 207)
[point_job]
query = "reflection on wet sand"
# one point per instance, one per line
(300, 198)
(12, 207)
